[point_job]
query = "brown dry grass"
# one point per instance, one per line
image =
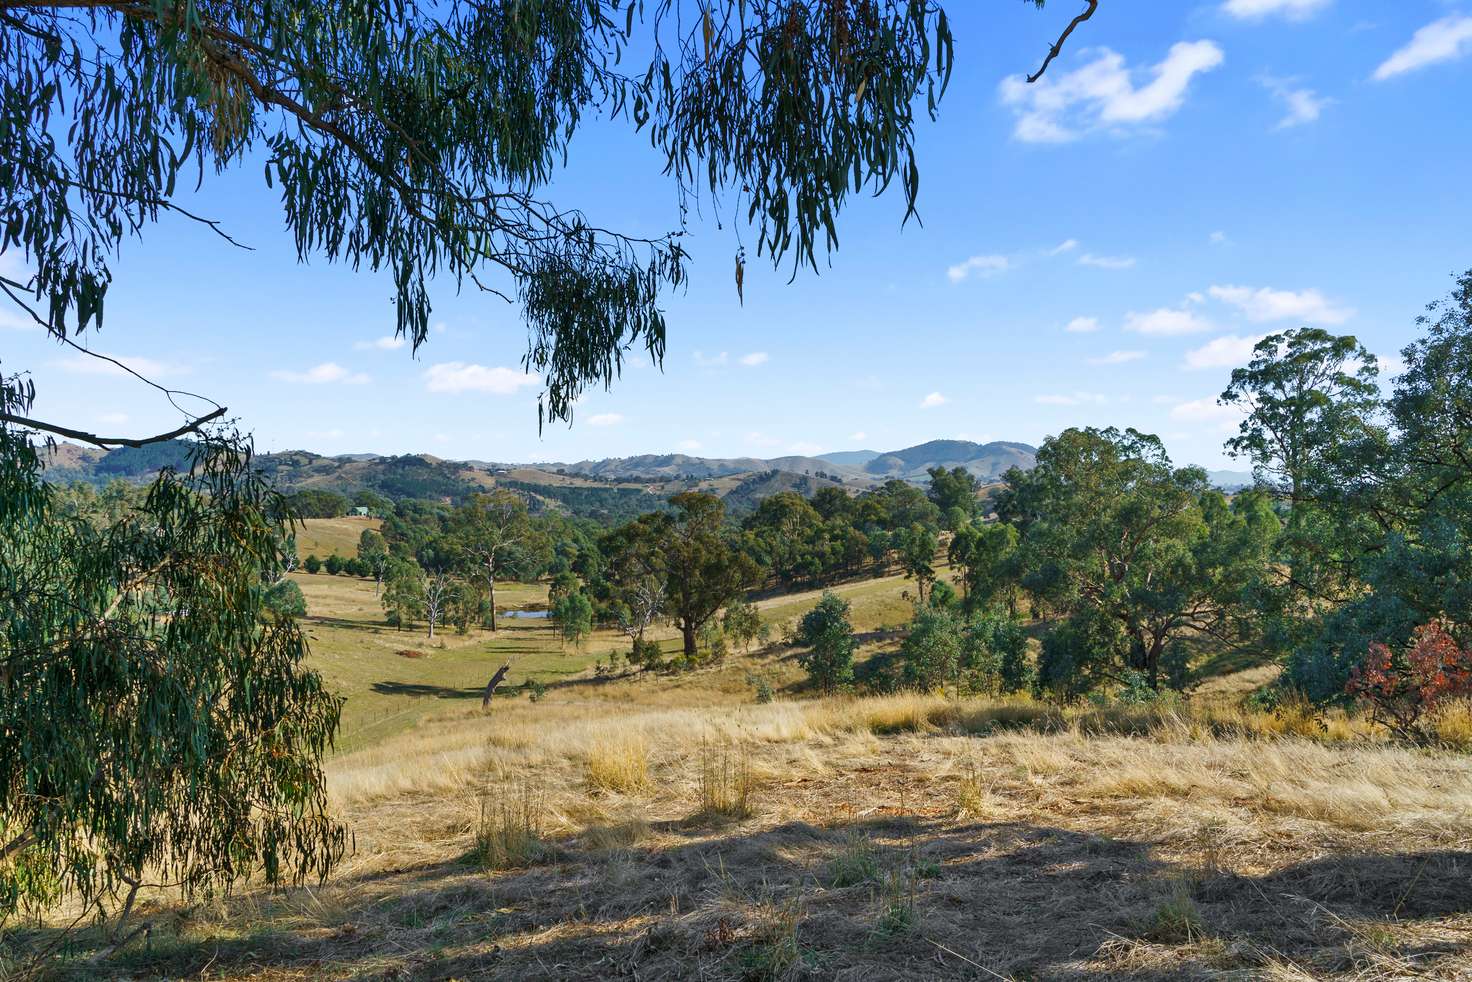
(991, 839)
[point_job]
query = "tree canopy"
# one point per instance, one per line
(416, 138)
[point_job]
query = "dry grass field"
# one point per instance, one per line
(672, 828)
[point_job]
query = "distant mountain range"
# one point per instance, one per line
(595, 487)
(988, 461)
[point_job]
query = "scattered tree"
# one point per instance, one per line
(828, 636)
(704, 572)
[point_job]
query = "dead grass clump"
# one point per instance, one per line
(1453, 725)
(619, 764)
(410, 653)
(974, 798)
(617, 835)
(509, 833)
(726, 785)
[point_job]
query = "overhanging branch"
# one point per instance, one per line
(1057, 47)
(111, 442)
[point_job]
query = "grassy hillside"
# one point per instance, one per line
(661, 827)
(321, 537)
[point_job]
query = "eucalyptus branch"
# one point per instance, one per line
(1057, 47)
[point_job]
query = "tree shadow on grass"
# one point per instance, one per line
(1013, 900)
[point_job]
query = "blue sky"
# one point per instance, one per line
(1099, 249)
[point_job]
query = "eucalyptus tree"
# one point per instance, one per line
(491, 529)
(703, 570)
(155, 722)
(1313, 432)
(1133, 552)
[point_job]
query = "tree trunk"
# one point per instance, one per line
(431, 627)
(493, 604)
(687, 630)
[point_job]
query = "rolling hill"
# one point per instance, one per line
(607, 489)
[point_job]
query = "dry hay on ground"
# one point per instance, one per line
(902, 838)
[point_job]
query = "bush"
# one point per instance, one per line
(1404, 689)
(829, 637)
(573, 614)
(312, 564)
(645, 653)
(333, 565)
(284, 600)
(932, 650)
(762, 686)
(742, 623)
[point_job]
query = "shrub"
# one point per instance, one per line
(285, 601)
(645, 653)
(829, 637)
(762, 687)
(573, 613)
(932, 650)
(312, 564)
(1403, 690)
(742, 623)
(333, 565)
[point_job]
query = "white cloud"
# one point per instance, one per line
(1082, 325)
(1106, 262)
(1118, 358)
(1302, 105)
(1265, 304)
(1258, 9)
(805, 449)
(1222, 419)
(688, 444)
(441, 438)
(1072, 399)
(1067, 245)
(932, 400)
(980, 266)
(1103, 94)
(605, 419)
(1442, 40)
(391, 342)
(860, 435)
(1390, 366)
(459, 376)
(1168, 321)
(754, 359)
(759, 439)
(1228, 351)
(1217, 238)
(147, 367)
(711, 361)
(325, 373)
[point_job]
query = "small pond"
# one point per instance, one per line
(517, 615)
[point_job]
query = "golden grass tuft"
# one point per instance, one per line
(619, 764)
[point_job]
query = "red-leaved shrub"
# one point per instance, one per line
(1403, 690)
